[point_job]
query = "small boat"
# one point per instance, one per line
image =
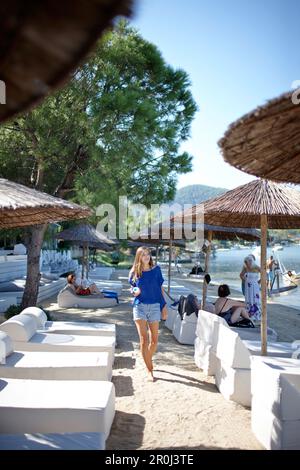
(282, 289)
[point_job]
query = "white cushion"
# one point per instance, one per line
(272, 432)
(231, 349)
(57, 366)
(19, 327)
(37, 314)
(56, 406)
(205, 358)
(172, 313)
(6, 346)
(185, 330)
(66, 441)
(234, 384)
(275, 384)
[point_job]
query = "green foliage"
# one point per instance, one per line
(12, 311)
(115, 129)
(16, 309)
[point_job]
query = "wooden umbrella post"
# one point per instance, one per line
(87, 260)
(169, 267)
(206, 268)
(263, 277)
(83, 261)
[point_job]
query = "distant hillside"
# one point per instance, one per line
(196, 193)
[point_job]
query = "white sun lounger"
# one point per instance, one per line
(67, 441)
(56, 406)
(52, 365)
(23, 332)
(69, 327)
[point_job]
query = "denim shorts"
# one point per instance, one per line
(148, 312)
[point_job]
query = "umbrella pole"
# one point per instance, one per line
(169, 267)
(263, 277)
(82, 261)
(156, 254)
(87, 260)
(206, 268)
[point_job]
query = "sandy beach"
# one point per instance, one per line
(182, 409)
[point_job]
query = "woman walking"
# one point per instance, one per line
(149, 305)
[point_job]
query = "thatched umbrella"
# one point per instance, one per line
(86, 236)
(261, 204)
(211, 232)
(266, 142)
(166, 232)
(21, 206)
(43, 41)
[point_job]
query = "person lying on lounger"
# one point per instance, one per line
(80, 290)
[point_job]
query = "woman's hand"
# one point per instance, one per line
(164, 313)
(135, 291)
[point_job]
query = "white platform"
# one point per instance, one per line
(57, 366)
(275, 413)
(53, 406)
(233, 377)
(22, 330)
(67, 441)
(68, 327)
(184, 330)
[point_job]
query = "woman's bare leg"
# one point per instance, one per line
(239, 312)
(153, 332)
(142, 329)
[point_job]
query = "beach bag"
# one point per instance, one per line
(191, 305)
(181, 306)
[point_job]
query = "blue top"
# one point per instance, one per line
(150, 284)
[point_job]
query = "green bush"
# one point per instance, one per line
(16, 309)
(12, 311)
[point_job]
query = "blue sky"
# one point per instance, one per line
(237, 53)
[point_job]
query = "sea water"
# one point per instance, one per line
(227, 265)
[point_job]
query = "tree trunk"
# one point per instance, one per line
(34, 237)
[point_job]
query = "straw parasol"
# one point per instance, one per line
(21, 206)
(220, 233)
(262, 204)
(266, 141)
(43, 41)
(86, 236)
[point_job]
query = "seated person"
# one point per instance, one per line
(80, 290)
(229, 309)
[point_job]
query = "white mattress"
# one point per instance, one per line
(80, 328)
(68, 343)
(57, 366)
(67, 441)
(53, 406)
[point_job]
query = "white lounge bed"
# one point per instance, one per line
(68, 299)
(23, 332)
(233, 376)
(69, 327)
(56, 406)
(52, 365)
(275, 413)
(207, 332)
(66, 441)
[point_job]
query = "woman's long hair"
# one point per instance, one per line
(137, 268)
